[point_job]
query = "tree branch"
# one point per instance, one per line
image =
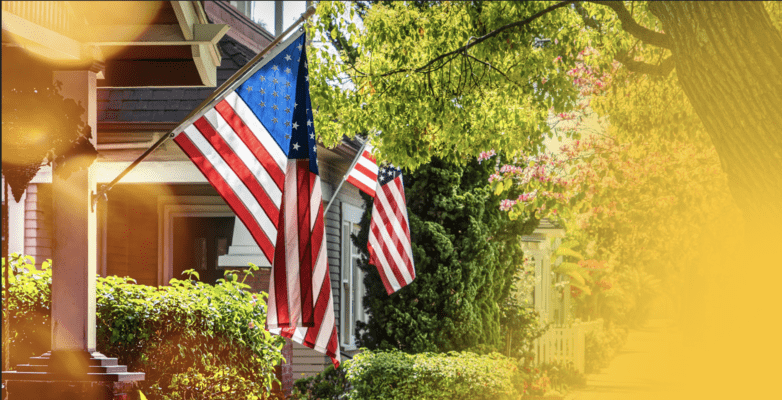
(634, 28)
(487, 36)
(662, 69)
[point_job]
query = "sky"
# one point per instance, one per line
(291, 11)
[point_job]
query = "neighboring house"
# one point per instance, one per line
(164, 217)
(565, 338)
(539, 247)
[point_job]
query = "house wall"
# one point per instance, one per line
(38, 222)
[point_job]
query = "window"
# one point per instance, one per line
(351, 279)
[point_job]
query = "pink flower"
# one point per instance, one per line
(558, 59)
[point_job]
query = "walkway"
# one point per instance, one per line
(645, 368)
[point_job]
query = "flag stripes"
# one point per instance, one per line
(229, 174)
(364, 173)
(389, 234)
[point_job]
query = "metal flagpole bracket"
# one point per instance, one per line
(345, 178)
(101, 195)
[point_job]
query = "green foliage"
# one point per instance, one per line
(563, 375)
(495, 95)
(396, 375)
(466, 254)
(29, 306)
(522, 326)
(332, 383)
(191, 339)
(601, 347)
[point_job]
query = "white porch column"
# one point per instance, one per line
(243, 249)
(74, 243)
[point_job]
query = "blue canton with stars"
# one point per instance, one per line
(387, 174)
(278, 93)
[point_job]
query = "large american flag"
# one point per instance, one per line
(364, 173)
(389, 232)
(257, 147)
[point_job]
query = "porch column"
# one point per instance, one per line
(74, 245)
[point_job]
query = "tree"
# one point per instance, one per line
(454, 79)
(420, 72)
(466, 254)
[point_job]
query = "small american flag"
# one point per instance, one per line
(389, 232)
(257, 147)
(364, 173)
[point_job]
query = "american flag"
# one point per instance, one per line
(257, 147)
(389, 232)
(364, 173)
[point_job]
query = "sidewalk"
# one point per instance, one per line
(645, 368)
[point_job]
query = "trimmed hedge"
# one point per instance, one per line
(193, 340)
(391, 375)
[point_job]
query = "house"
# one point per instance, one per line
(565, 338)
(164, 217)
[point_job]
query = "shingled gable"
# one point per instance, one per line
(160, 109)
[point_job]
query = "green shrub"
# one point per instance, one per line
(601, 347)
(332, 383)
(396, 375)
(193, 340)
(563, 375)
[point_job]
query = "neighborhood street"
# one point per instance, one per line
(645, 368)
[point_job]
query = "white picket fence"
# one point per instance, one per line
(565, 343)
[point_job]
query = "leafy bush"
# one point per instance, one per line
(563, 375)
(193, 340)
(466, 254)
(332, 383)
(601, 347)
(390, 375)
(29, 305)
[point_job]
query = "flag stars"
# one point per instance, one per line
(249, 88)
(275, 68)
(296, 146)
(312, 135)
(287, 110)
(299, 47)
(287, 84)
(287, 70)
(287, 124)
(295, 125)
(274, 107)
(287, 137)
(295, 105)
(274, 120)
(275, 93)
(309, 122)
(275, 81)
(262, 104)
(288, 97)
(287, 57)
(262, 78)
(261, 91)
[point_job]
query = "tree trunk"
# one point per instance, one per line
(728, 58)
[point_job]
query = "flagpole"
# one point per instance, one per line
(344, 178)
(226, 86)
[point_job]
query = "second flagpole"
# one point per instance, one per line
(344, 178)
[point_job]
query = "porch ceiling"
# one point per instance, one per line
(131, 44)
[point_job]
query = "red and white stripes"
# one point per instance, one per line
(240, 159)
(300, 269)
(364, 173)
(389, 236)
